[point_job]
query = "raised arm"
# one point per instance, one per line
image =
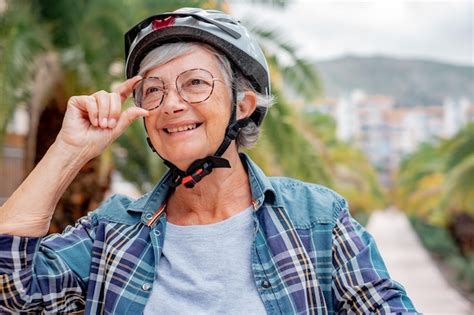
(90, 124)
(51, 274)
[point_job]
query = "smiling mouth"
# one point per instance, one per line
(182, 128)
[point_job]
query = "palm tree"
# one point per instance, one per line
(435, 183)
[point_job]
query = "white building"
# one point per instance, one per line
(456, 115)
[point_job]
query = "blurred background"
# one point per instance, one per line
(374, 99)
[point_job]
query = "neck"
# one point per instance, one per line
(218, 196)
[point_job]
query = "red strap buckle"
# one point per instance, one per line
(159, 24)
(190, 178)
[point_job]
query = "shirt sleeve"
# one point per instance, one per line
(361, 283)
(49, 274)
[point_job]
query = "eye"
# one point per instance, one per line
(197, 82)
(153, 89)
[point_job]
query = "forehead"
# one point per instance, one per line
(198, 58)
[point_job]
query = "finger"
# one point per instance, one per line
(103, 104)
(114, 110)
(86, 105)
(127, 117)
(125, 88)
(92, 111)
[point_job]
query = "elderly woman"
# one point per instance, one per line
(215, 235)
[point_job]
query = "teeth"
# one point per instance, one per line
(181, 128)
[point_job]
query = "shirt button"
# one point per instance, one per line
(157, 232)
(148, 216)
(266, 284)
(146, 286)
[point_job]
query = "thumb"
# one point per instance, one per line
(127, 117)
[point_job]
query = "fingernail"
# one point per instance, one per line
(96, 122)
(112, 123)
(103, 123)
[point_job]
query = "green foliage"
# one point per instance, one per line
(324, 126)
(458, 186)
(439, 242)
(435, 184)
(460, 147)
(135, 160)
(361, 217)
(352, 174)
(295, 75)
(22, 38)
(291, 150)
(436, 180)
(435, 238)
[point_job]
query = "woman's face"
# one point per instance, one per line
(182, 132)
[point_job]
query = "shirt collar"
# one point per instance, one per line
(261, 188)
(152, 200)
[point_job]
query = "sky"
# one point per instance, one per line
(434, 30)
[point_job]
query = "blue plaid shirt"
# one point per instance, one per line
(309, 257)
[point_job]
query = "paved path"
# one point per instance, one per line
(410, 264)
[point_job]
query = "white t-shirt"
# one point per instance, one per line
(206, 269)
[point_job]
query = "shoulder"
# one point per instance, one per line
(117, 209)
(307, 203)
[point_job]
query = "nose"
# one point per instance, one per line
(173, 102)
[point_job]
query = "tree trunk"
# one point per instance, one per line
(47, 107)
(462, 229)
(48, 76)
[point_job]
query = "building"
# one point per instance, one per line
(387, 132)
(12, 155)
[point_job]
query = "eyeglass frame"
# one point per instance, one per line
(165, 92)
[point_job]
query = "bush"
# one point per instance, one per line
(361, 217)
(435, 238)
(440, 243)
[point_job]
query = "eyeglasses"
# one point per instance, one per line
(194, 86)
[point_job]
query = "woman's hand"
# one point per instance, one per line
(92, 122)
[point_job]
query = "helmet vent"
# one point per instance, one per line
(226, 20)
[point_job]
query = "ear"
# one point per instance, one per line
(247, 105)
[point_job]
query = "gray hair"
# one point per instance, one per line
(161, 55)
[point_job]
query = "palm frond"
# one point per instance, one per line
(459, 186)
(297, 72)
(460, 147)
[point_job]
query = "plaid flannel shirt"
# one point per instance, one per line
(309, 257)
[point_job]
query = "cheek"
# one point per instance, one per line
(151, 130)
(149, 123)
(218, 120)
